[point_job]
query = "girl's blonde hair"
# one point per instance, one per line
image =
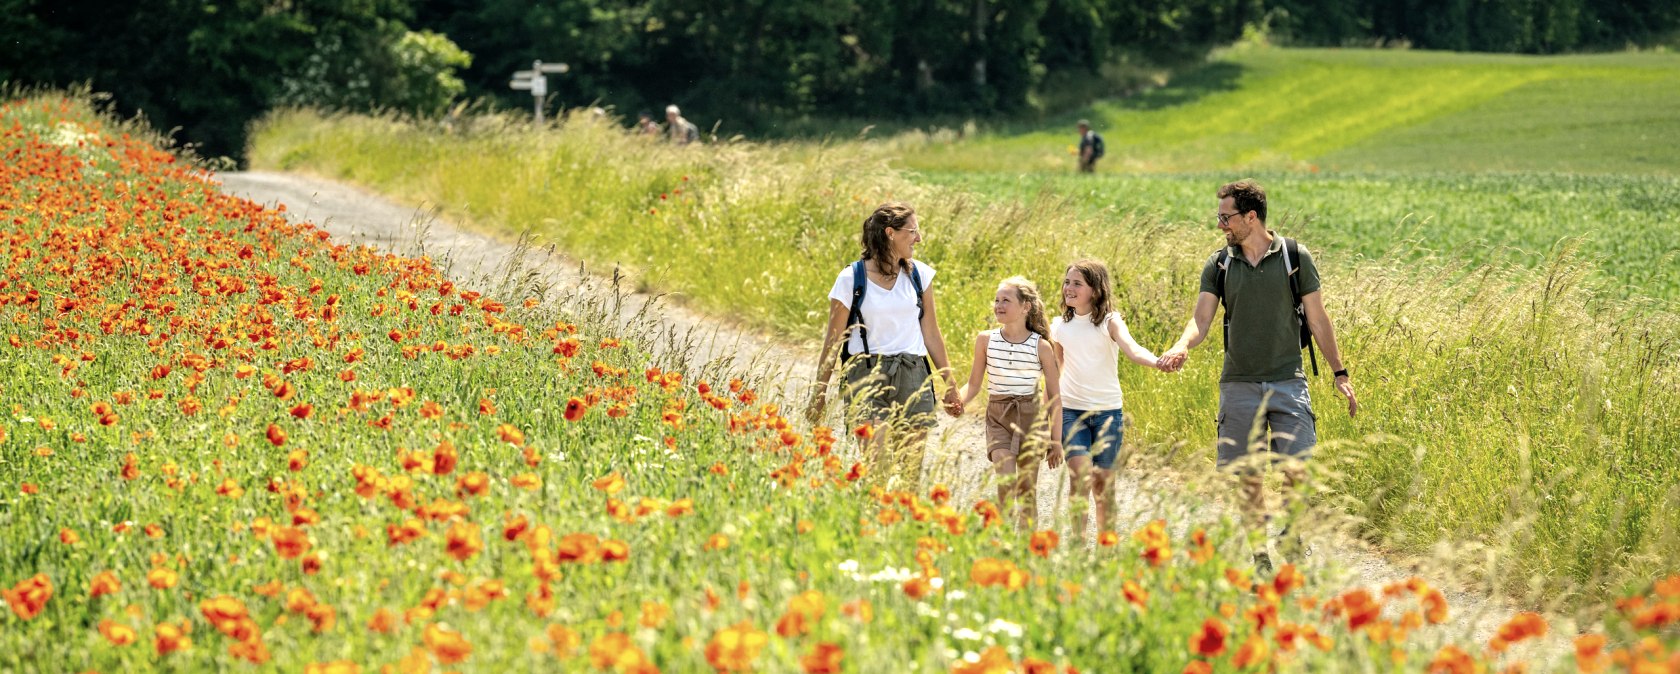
(1027, 293)
(1096, 275)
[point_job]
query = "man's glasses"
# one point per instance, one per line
(1225, 218)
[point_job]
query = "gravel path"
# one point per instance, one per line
(355, 216)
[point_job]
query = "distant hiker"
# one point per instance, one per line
(1269, 287)
(645, 124)
(883, 327)
(1090, 147)
(1011, 359)
(682, 131)
(1089, 336)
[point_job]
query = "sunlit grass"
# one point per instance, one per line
(236, 445)
(1524, 407)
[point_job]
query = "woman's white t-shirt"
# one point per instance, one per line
(1090, 363)
(890, 315)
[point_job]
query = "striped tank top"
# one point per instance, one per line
(1012, 369)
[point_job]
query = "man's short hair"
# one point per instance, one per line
(672, 110)
(1085, 123)
(1246, 195)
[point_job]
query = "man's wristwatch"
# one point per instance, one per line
(1338, 374)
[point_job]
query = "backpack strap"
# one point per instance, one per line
(1292, 264)
(1223, 260)
(854, 319)
(916, 283)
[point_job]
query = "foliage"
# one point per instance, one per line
(1516, 26)
(209, 68)
(750, 66)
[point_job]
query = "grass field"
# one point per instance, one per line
(236, 445)
(1623, 225)
(1516, 405)
(1333, 110)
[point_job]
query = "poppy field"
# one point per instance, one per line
(237, 445)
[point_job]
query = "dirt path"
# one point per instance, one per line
(355, 216)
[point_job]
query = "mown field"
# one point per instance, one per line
(237, 445)
(1362, 110)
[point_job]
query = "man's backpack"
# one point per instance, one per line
(854, 320)
(1291, 264)
(1096, 145)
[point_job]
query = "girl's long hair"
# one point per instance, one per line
(877, 248)
(1096, 275)
(1027, 293)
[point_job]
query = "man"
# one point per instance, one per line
(1090, 147)
(645, 124)
(1263, 396)
(683, 131)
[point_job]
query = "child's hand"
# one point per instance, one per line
(1055, 454)
(953, 403)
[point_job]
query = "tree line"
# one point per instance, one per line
(209, 68)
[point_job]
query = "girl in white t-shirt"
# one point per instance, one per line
(1088, 337)
(1011, 360)
(887, 382)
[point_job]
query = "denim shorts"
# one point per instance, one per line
(1096, 434)
(1274, 416)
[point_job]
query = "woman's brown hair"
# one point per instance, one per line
(877, 247)
(1096, 275)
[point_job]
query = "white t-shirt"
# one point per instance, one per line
(1090, 363)
(889, 314)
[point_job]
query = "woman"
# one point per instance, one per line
(887, 343)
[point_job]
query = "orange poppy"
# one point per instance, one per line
(1209, 641)
(28, 596)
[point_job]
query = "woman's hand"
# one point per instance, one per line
(814, 410)
(1055, 454)
(953, 402)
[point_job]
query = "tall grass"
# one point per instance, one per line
(1499, 403)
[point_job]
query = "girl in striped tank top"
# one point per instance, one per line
(1012, 359)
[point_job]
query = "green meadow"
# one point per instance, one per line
(1510, 325)
(1363, 110)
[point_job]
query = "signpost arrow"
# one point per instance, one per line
(536, 81)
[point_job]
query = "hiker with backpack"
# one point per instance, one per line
(1090, 147)
(883, 327)
(1269, 288)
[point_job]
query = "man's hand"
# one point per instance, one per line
(1344, 386)
(814, 410)
(1173, 360)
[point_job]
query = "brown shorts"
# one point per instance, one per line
(1009, 422)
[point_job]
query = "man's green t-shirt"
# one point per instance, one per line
(1264, 342)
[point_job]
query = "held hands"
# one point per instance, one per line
(1173, 360)
(953, 403)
